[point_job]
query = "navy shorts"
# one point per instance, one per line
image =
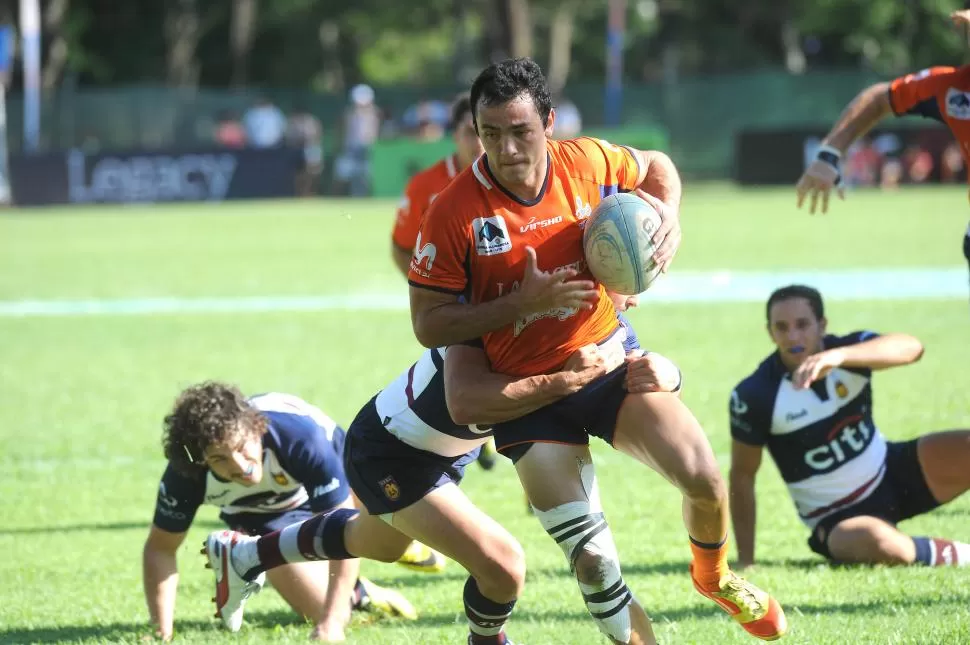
(902, 494)
(572, 420)
(388, 475)
(263, 523)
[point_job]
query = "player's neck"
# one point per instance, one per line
(530, 189)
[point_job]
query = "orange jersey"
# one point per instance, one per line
(940, 93)
(472, 241)
(418, 195)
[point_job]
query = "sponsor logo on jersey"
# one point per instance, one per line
(491, 235)
(391, 490)
(320, 491)
(844, 444)
(215, 496)
(957, 104)
(425, 254)
(533, 224)
(738, 409)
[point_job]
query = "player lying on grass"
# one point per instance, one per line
(939, 93)
(404, 458)
(267, 462)
(810, 403)
(508, 267)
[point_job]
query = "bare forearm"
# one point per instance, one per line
(883, 352)
(861, 115)
(495, 398)
(743, 516)
(160, 577)
(662, 179)
(402, 259)
(453, 323)
(343, 577)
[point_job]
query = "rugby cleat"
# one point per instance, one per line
(488, 455)
(499, 639)
(232, 590)
(379, 599)
(757, 612)
(422, 558)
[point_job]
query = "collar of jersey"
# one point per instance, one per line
(507, 193)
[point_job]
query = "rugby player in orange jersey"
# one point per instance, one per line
(499, 275)
(938, 93)
(425, 186)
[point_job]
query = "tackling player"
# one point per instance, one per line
(810, 404)
(267, 462)
(405, 457)
(938, 93)
(499, 250)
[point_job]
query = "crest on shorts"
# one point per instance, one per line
(841, 390)
(280, 479)
(391, 490)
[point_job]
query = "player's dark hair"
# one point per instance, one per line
(204, 415)
(811, 295)
(507, 80)
(460, 107)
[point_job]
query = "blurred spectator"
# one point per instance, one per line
(229, 131)
(569, 122)
(429, 131)
(427, 119)
(862, 165)
(918, 163)
(951, 164)
(892, 174)
(362, 124)
(265, 124)
(305, 132)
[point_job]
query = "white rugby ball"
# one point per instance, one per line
(618, 244)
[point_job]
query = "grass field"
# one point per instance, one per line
(82, 396)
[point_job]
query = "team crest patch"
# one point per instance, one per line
(391, 490)
(280, 479)
(957, 104)
(841, 390)
(491, 235)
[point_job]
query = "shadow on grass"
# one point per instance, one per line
(96, 526)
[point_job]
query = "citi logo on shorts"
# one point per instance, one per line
(543, 223)
(491, 235)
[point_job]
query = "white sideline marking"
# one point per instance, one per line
(684, 286)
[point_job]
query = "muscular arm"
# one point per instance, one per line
(160, 578)
(402, 258)
(439, 320)
(476, 394)
(659, 177)
(867, 109)
(745, 461)
(882, 352)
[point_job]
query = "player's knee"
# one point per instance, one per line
(591, 567)
(703, 483)
(503, 577)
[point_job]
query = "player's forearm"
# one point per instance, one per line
(861, 115)
(891, 350)
(340, 589)
(402, 259)
(491, 398)
(160, 579)
(662, 179)
(743, 515)
(454, 323)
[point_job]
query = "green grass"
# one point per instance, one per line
(81, 400)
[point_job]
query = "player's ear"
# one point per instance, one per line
(823, 323)
(551, 122)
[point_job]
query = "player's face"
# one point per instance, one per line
(240, 460)
(467, 143)
(514, 138)
(795, 330)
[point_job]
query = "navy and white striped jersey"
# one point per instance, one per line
(413, 406)
(302, 466)
(823, 439)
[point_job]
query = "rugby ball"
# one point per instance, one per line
(618, 244)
